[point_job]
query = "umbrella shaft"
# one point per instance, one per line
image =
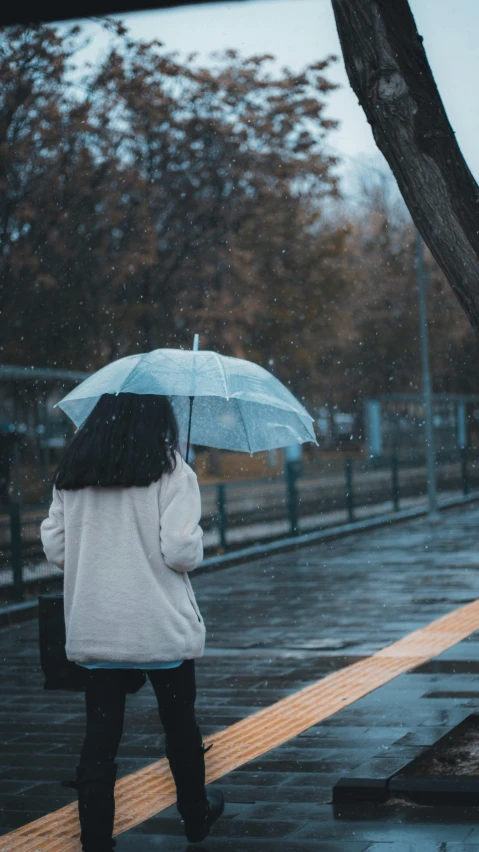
(189, 429)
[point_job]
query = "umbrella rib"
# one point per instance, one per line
(133, 371)
(223, 373)
(245, 429)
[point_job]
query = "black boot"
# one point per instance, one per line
(95, 783)
(198, 818)
(198, 809)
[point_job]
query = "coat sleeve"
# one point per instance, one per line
(181, 537)
(52, 531)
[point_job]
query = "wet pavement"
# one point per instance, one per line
(275, 626)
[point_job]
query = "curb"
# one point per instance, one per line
(24, 611)
(17, 613)
(395, 776)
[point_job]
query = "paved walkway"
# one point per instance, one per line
(274, 627)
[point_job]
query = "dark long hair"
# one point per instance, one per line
(129, 439)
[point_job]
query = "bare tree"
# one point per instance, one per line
(388, 70)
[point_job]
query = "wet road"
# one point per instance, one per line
(274, 627)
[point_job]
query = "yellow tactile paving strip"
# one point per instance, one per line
(147, 792)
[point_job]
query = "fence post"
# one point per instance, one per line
(395, 482)
(464, 476)
(222, 521)
(348, 470)
(16, 546)
(292, 496)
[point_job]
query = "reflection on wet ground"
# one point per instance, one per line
(274, 627)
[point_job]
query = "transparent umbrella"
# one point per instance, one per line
(228, 403)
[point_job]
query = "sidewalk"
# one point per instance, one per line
(275, 626)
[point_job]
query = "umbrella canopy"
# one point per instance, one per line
(237, 404)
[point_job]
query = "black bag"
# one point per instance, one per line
(61, 673)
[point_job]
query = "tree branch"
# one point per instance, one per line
(389, 72)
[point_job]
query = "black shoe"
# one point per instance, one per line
(95, 783)
(198, 819)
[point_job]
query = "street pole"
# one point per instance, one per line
(426, 385)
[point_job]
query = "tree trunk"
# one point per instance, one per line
(389, 72)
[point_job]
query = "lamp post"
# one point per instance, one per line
(426, 385)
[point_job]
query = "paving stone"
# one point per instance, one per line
(382, 831)
(11, 788)
(305, 811)
(29, 800)
(226, 828)
(283, 793)
(426, 846)
(34, 774)
(16, 818)
(283, 766)
(264, 621)
(151, 843)
(252, 779)
(423, 736)
(393, 811)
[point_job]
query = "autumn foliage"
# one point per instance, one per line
(148, 198)
(151, 199)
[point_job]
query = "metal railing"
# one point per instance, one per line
(246, 512)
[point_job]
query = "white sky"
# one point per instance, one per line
(302, 31)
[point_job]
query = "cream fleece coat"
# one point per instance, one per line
(126, 553)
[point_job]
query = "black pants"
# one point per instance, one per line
(175, 691)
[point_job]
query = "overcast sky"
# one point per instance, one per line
(302, 31)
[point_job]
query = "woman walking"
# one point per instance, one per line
(124, 527)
